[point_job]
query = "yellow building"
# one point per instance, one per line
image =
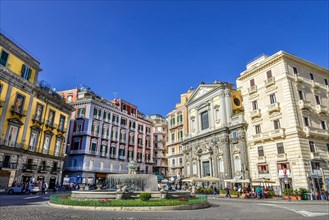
(33, 120)
(177, 127)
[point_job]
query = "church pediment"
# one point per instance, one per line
(202, 90)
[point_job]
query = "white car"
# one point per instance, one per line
(21, 189)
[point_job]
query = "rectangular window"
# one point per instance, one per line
(272, 98)
(263, 169)
(173, 162)
(180, 161)
(61, 122)
(81, 112)
(317, 100)
(172, 137)
(328, 148)
(269, 74)
(301, 95)
(4, 58)
(260, 151)
(19, 103)
(306, 122)
(257, 129)
(51, 117)
(323, 125)
(46, 144)
(234, 135)
(311, 76)
(326, 82)
(33, 141)
(277, 124)
(58, 147)
(93, 147)
(26, 72)
(173, 150)
(254, 105)
(252, 82)
(38, 112)
(280, 148)
(204, 120)
(312, 148)
(295, 70)
(123, 121)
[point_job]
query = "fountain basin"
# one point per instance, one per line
(98, 195)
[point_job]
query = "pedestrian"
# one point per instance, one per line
(227, 190)
(43, 188)
(258, 192)
(215, 192)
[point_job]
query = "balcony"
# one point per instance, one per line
(315, 156)
(8, 165)
(122, 140)
(304, 104)
(37, 119)
(97, 117)
(321, 109)
(105, 136)
(80, 116)
(13, 144)
(77, 151)
(261, 159)
(298, 79)
(140, 131)
(44, 169)
(252, 89)
(123, 126)
(281, 173)
(16, 111)
(278, 133)
(115, 123)
(281, 157)
(316, 173)
(113, 156)
(275, 107)
(257, 137)
(54, 170)
(139, 160)
(132, 128)
(270, 82)
(255, 114)
(95, 134)
(50, 124)
(103, 154)
(114, 139)
(316, 132)
(92, 152)
(29, 167)
(77, 133)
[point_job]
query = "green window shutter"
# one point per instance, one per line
(4, 58)
(79, 111)
(29, 74)
(23, 70)
(95, 111)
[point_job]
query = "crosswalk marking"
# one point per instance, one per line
(32, 197)
(302, 212)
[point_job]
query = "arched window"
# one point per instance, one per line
(237, 164)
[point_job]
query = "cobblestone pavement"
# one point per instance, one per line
(36, 207)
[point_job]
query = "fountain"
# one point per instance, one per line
(128, 186)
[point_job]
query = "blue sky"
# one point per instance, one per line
(149, 52)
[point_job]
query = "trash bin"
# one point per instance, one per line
(307, 196)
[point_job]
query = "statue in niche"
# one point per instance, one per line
(132, 165)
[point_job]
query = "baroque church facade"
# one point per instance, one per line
(215, 145)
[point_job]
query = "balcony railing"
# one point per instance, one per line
(277, 133)
(60, 128)
(37, 119)
(95, 133)
(321, 109)
(275, 107)
(261, 159)
(255, 113)
(9, 165)
(132, 128)
(263, 172)
(122, 157)
(44, 169)
(12, 144)
(257, 137)
(76, 133)
(270, 81)
(282, 156)
(29, 167)
(315, 156)
(20, 112)
(316, 132)
(105, 136)
(303, 104)
(114, 138)
(281, 173)
(317, 173)
(103, 154)
(252, 89)
(113, 156)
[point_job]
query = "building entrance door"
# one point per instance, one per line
(206, 168)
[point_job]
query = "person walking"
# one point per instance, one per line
(215, 192)
(43, 188)
(227, 190)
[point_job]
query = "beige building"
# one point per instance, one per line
(285, 99)
(177, 128)
(160, 128)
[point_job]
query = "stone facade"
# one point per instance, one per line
(286, 107)
(215, 145)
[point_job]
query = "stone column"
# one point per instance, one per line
(226, 157)
(228, 104)
(222, 108)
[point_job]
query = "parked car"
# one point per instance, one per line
(21, 189)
